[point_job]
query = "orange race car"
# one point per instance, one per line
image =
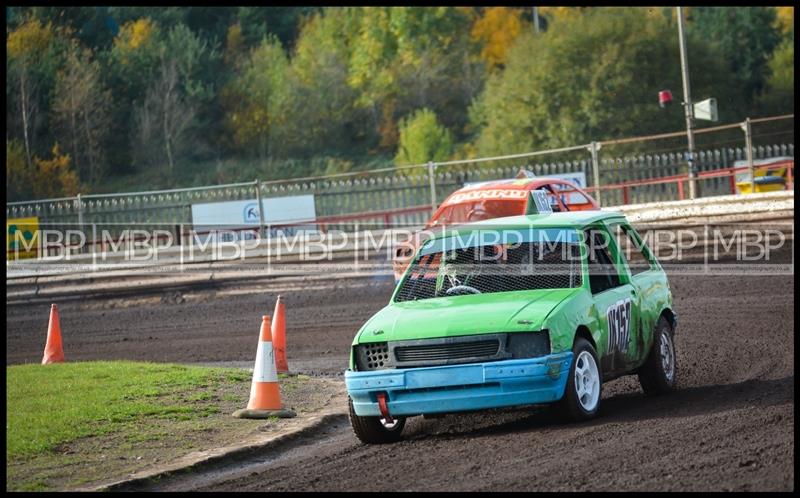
(494, 199)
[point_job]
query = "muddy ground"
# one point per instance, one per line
(729, 426)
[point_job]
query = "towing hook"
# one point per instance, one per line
(384, 408)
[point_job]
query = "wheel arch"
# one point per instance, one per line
(583, 331)
(671, 318)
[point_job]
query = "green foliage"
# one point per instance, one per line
(19, 176)
(423, 139)
(258, 99)
(323, 115)
(779, 95)
(745, 37)
(82, 112)
(309, 90)
(594, 78)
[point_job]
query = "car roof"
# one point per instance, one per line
(514, 184)
(570, 219)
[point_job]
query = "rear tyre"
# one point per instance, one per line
(375, 430)
(658, 374)
(584, 384)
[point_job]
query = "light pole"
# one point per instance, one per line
(687, 105)
(535, 19)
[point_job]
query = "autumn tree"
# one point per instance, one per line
(408, 58)
(497, 29)
(593, 78)
(172, 102)
(257, 98)
(423, 139)
(81, 108)
(54, 177)
(19, 173)
(26, 47)
(323, 116)
(132, 62)
(778, 95)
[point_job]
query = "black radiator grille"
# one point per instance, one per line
(450, 350)
(443, 352)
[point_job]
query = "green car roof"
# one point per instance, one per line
(572, 219)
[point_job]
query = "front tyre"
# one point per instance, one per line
(657, 375)
(584, 384)
(375, 430)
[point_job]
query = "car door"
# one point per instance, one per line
(649, 281)
(616, 303)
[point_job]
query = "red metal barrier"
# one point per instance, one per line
(705, 175)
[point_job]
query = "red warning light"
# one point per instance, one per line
(664, 98)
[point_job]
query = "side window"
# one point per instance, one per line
(576, 198)
(552, 197)
(632, 248)
(603, 274)
(570, 197)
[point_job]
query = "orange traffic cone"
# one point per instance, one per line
(265, 396)
(53, 351)
(279, 337)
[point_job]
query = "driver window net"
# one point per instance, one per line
(492, 268)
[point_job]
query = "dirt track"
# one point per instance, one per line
(730, 425)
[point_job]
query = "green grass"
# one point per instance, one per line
(55, 404)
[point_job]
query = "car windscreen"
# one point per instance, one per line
(494, 261)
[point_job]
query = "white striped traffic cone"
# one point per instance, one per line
(265, 396)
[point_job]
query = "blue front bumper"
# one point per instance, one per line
(456, 388)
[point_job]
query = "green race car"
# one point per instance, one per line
(514, 311)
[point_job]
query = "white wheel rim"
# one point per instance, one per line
(667, 356)
(587, 381)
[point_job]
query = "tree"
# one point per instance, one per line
(281, 22)
(54, 177)
(323, 118)
(408, 58)
(19, 174)
(165, 118)
(81, 108)
(745, 37)
(423, 139)
(497, 29)
(593, 78)
(778, 96)
(132, 63)
(26, 47)
(257, 98)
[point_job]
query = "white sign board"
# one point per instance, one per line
(706, 110)
(579, 179)
(233, 215)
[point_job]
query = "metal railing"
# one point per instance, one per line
(403, 189)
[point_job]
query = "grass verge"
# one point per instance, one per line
(73, 424)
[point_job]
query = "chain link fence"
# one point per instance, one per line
(404, 195)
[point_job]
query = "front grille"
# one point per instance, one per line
(450, 350)
(373, 356)
(434, 352)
